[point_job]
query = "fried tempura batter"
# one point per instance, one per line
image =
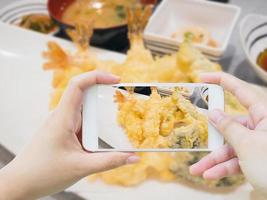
(162, 122)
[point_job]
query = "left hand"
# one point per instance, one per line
(55, 159)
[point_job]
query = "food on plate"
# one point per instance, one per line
(192, 62)
(180, 164)
(38, 22)
(262, 59)
(196, 34)
(151, 165)
(105, 13)
(140, 66)
(162, 122)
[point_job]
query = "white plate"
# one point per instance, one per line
(253, 35)
(171, 15)
(25, 91)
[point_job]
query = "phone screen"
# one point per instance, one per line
(158, 117)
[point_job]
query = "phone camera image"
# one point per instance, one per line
(151, 117)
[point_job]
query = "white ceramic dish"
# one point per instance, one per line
(25, 90)
(219, 19)
(13, 12)
(253, 35)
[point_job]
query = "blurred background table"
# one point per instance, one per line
(234, 62)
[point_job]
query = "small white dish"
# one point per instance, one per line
(253, 35)
(217, 18)
(15, 11)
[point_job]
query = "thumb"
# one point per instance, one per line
(232, 131)
(98, 162)
(72, 97)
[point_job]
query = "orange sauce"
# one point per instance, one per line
(262, 59)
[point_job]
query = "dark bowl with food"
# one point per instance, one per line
(109, 16)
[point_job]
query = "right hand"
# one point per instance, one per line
(247, 137)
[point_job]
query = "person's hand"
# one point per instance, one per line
(55, 159)
(247, 136)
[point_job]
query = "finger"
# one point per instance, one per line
(245, 94)
(228, 168)
(245, 121)
(258, 114)
(214, 158)
(242, 90)
(241, 119)
(233, 131)
(97, 162)
(73, 95)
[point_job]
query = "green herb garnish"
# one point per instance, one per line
(120, 11)
(189, 36)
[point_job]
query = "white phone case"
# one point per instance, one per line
(92, 116)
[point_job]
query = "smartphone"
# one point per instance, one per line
(154, 117)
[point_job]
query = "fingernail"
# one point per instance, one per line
(132, 159)
(216, 116)
(201, 76)
(116, 77)
(193, 170)
(210, 176)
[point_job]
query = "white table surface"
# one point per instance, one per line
(233, 61)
